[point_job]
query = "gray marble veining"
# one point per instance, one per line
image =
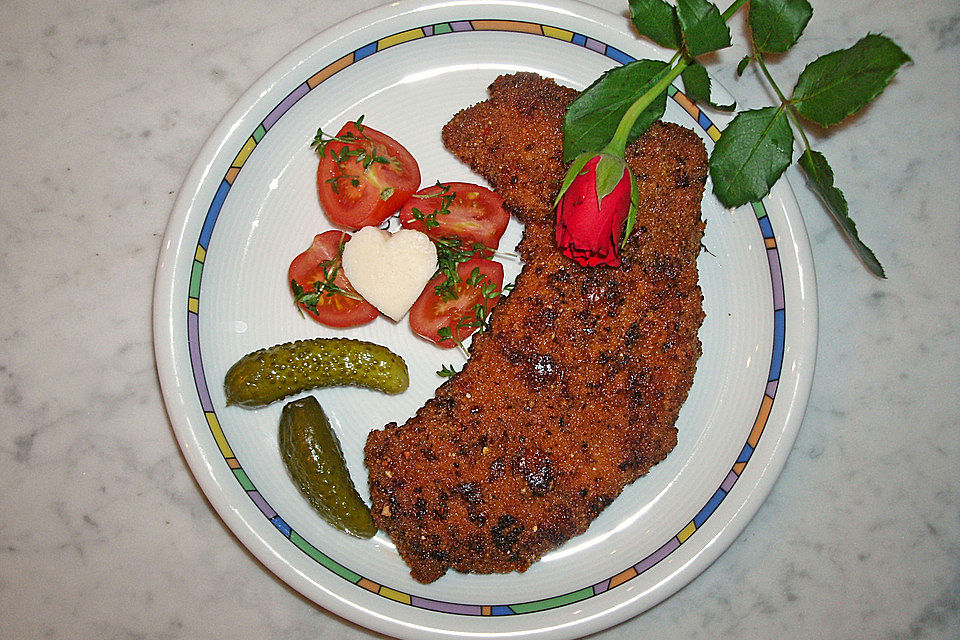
(103, 531)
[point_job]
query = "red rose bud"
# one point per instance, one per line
(594, 202)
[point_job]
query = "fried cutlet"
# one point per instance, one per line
(573, 391)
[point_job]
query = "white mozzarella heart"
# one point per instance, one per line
(389, 271)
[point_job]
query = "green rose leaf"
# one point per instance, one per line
(704, 29)
(777, 24)
(820, 179)
(751, 155)
(841, 83)
(592, 118)
(742, 65)
(696, 84)
(658, 21)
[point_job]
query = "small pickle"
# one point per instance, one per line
(267, 375)
(312, 454)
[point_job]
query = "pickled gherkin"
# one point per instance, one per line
(312, 454)
(267, 375)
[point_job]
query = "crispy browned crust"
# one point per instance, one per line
(574, 390)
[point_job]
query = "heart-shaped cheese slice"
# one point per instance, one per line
(389, 271)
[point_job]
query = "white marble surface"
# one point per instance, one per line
(103, 531)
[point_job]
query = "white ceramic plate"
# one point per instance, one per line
(248, 207)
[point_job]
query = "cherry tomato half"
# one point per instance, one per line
(338, 304)
(468, 211)
(432, 313)
(364, 176)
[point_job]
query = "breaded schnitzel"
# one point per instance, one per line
(573, 391)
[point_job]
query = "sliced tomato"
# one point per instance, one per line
(337, 305)
(431, 316)
(364, 176)
(468, 211)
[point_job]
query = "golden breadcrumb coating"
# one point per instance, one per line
(573, 391)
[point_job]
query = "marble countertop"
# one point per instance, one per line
(103, 530)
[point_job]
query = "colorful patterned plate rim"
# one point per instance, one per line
(691, 510)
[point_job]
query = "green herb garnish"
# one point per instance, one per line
(324, 287)
(366, 155)
(478, 317)
(429, 220)
(450, 253)
(447, 371)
